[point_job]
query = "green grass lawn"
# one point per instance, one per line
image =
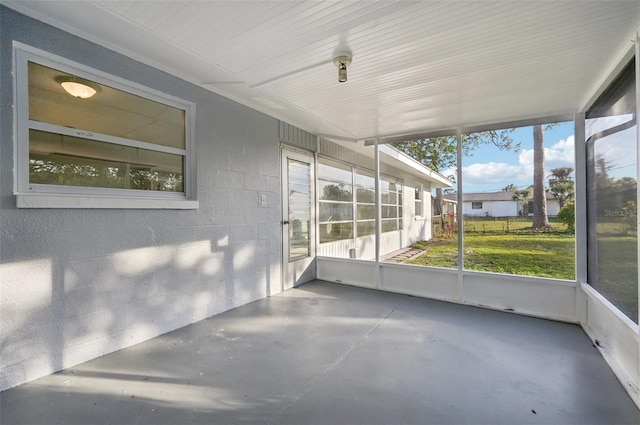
(545, 255)
(513, 247)
(617, 276)
(506, 246)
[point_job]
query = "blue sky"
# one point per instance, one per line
(490, 169)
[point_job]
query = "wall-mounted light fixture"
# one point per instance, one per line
(342, 61)
(78, 87)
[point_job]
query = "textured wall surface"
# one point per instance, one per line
(76, 284)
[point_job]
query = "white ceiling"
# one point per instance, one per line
(418, 66)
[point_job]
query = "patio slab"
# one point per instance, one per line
(325, 353)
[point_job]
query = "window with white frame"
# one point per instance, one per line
(418, 200)
(110, 139)
(337, 199)
(476, 205)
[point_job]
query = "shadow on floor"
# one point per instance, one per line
(325, 353)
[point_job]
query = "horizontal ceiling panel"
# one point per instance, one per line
(417, 65)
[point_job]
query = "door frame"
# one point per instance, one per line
(302, 270)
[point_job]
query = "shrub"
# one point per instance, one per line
(567, 215)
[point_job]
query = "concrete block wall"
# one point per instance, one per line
(76, 284)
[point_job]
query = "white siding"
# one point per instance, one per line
(492, 209)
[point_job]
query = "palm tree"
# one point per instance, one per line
(540, 218)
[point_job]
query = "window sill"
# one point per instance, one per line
(76, 201)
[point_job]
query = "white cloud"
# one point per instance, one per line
(491, 172)
(560, 154)
(499, 174)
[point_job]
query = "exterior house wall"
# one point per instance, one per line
(491, 209)
(76, 284)
(505, 208)
(417, 228)
(553, 207)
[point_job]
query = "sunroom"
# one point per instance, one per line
(226, 153)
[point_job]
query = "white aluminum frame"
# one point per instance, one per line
(60, 196)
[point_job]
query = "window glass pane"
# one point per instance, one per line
(299, 186)
(389, 185)
(110, 111)
(366, 228)
(389, 225)
(366, 212)
(366, 195)
(499, 182)
(335, 171)
(365, 178)
(418, 201)
(333, 211)
(434, 233)
(612, 194)
(389, 211)
(389, 198)
(56, 159)
(330, 232)
(330, 191)
(385, 184)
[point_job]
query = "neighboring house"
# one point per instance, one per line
(449, 206)
(499, 204)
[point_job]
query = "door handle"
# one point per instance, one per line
(285, 222)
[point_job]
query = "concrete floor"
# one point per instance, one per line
(330, 354)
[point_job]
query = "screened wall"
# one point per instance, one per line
(611, 144)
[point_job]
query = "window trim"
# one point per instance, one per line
(418, 190)
(54, 196)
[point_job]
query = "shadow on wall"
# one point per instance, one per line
(63, 311)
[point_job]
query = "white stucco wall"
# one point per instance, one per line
(553, 207)
(76, 284)
(505, 209)
(491, 209)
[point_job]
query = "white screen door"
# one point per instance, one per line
(298, 218)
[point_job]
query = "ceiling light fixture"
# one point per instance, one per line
(78, 87)
(342, 61)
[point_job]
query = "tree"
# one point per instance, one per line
(567, 216)
(562, 173)
(510, 188)
(440, 153)
(602, 180)
(437, 153)
(540, 218)
(523, 196)
(561, 185)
